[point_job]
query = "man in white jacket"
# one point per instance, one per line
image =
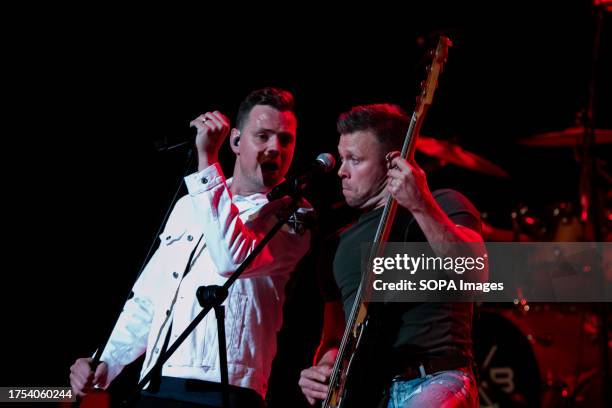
(217, 225)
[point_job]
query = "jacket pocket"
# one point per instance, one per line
(171, 236)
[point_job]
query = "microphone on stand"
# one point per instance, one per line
(324, 163)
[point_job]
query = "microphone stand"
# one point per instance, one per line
(212, 297)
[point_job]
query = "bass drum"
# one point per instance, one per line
(508, 374)
(538, 355)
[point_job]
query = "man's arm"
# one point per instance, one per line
(313, 380)
(128, 340)
(229, 240)
(408, 185)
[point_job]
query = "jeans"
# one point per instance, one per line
(448, 389)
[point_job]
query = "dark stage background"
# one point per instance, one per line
(90, 91)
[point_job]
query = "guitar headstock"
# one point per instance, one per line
(428, 87)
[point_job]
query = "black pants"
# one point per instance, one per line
(186, 393)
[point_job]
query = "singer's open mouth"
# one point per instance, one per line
(269, 167)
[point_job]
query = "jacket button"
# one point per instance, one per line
(175, 274)
(204, 180)
(189, 237)
(157, 349)
(168, 312)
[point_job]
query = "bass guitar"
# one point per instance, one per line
(341, 380)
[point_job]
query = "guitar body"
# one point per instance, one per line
(362, 375)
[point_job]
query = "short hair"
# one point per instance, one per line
(388, 122)
(279, 99)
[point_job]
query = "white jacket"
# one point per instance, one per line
(231, 228)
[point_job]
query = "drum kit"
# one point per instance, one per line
(559, 222)
(540, 354)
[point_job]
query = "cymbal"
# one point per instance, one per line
(568, 137)
(448, 152)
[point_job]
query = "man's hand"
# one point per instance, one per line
(82, 378)
(212, 129)
(407, 183)
(314, 380)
